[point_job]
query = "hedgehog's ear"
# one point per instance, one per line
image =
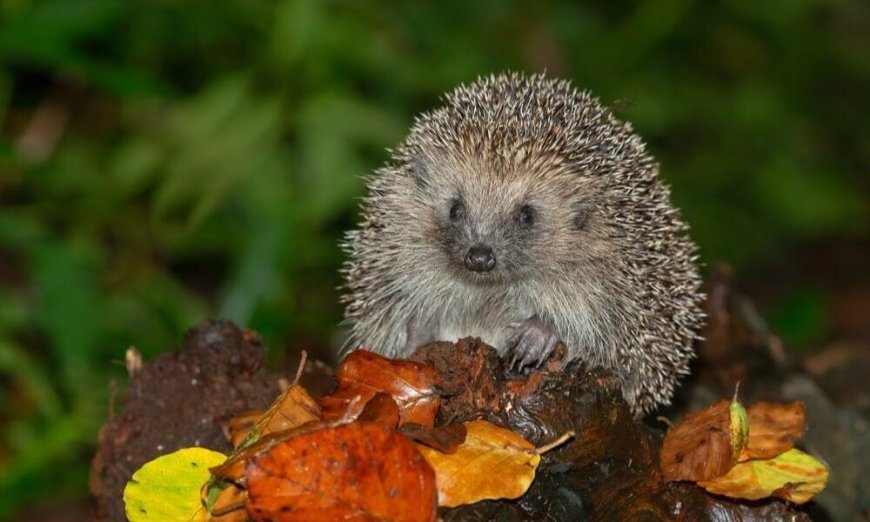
(581, 212)
(420, 171)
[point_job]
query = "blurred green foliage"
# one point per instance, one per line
(163, 161)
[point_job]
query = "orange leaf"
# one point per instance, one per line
(357, 471)
(699, 447)
(363, 374)
(773, 429)
(492, 463)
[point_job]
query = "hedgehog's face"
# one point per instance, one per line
(486, 244)
(511, 226)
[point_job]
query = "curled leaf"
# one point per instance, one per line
(699, 447)
(738, 428)
(363, 374)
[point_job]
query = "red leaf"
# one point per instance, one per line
(357, 471)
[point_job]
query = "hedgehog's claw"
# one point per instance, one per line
(531, 344)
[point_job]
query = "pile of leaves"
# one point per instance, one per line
(750, 455)
(453, 434)
(369, 447)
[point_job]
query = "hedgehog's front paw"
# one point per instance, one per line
(531, 344)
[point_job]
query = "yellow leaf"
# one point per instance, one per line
(167, 489)
(492, 463)
(792, 475)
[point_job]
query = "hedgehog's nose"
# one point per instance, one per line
(480, 258)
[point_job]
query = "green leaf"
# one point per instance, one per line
(68, 308)
(167, 488)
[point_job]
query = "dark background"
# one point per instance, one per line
(166, 161)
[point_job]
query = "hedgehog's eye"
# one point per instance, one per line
(457, 210)
(526, 216)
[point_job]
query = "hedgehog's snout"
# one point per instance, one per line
(480, 258)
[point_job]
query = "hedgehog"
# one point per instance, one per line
(524, 213)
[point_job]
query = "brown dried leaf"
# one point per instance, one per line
(357, 471)
(242, 424)
(363, 374)
(381, 409)
(773, 429)
(492, 463)
(445, 439)
(699, 447)
(291, 409)
(229, 506)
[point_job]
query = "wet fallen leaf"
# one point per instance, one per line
(793, 476)
(445, 439)
(357, 471)
(773, 429)
(381, 409)
(700, 446)
(492, 463)
(167, 489)
(363, 374)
